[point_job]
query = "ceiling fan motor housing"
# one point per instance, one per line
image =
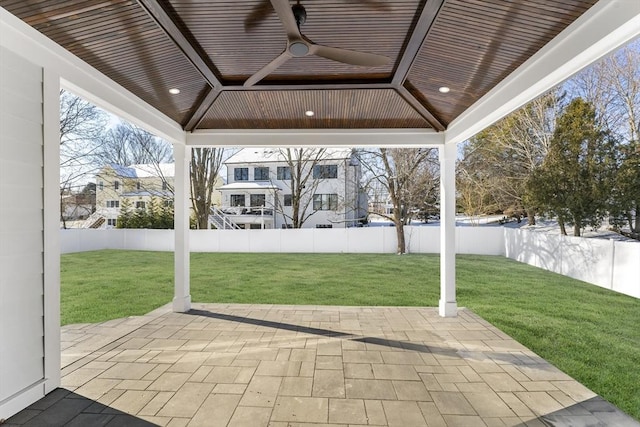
(298, 48)
(300, 13)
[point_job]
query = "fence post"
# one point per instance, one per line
(613, 262)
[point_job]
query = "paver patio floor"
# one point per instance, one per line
(267, 365)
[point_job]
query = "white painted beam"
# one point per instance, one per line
(448, 306)
(316, 138)
(608, 25)
(84, 80)
(182, 286)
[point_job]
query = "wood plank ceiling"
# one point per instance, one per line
(208, 48)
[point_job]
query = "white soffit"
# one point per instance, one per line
(316, 138)
(84, 80)
(606, 26)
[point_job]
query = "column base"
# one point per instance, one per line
(448, 308)
(181, 305)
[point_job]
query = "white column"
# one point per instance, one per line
(51, 171)
(448, 306)
(182, 186)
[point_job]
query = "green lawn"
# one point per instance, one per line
(590, 333)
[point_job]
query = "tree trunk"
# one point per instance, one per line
(531, 217)
(563, 229)
(203, 215)
(636, 229)
(577, 226)
(400, 236)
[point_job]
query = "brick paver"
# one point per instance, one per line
(285, 366)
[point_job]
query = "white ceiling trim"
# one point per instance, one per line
(605, 27)
(84, 80)
(316, 138)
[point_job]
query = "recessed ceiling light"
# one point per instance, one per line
(444, 89)
(309, 113)
(174, 91)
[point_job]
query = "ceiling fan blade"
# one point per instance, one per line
(348, 56)
(268, 69)
(283, 9)
(259, 12)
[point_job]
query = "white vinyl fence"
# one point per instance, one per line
(609, 264)
(613, 265)
(421, 239)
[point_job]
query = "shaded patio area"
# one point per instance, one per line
(267, 365)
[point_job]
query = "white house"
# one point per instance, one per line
(259, 194)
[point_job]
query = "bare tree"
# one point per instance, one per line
(205, 167)
(81, 127)
(127, 144)
(302, 184)
(498, 162)
(613, 87)
(410, 176)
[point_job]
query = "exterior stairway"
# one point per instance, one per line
(95, 220)
(220, 221)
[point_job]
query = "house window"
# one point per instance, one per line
(287, 200)
(241, 174)
(325, 202)
(168, 203)
(325, 171)
(237, 200)
(257, 200)
(284, 172)
(255, 226)
(164, 185)
(324, 226)
(101, 185)
(261, 174)
(138, 186)
(116, 185)
(113, 203)
(140, 205)
(111, 221)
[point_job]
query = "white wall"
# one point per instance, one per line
(609, 264)
(21, 233)
(420, 239)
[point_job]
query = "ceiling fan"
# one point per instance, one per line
(298, 45)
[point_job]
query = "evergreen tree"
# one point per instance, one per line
(626, 194)
(125, 220)
(166, 214)
(575, 180)
(153, 213)
(141, 218)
